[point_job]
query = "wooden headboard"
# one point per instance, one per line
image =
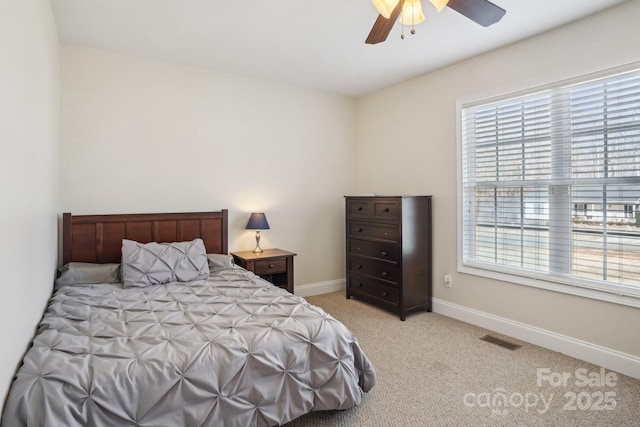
(98, 238)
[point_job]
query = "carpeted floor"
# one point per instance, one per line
(435, 371)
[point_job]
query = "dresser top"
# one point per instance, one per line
(385, 196)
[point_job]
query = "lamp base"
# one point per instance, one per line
(258, 249)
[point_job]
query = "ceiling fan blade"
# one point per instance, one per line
(383, 26)
(482, 12)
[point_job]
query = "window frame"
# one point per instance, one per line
(514, 275)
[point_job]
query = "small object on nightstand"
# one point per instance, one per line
(257, 221)
(274, 265)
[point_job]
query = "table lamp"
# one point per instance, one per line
(257, 221)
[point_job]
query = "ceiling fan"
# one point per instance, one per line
(410, 12)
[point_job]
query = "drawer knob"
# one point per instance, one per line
(359, 208)
(359, 285)
(384, 253)
(383, 274)
(386, 209)
(358, 267)
(359, 230)
(271, 266)
(385, 294)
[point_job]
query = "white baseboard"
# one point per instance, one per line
(320, 288)
(623, 363)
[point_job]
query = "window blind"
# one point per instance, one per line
(551, 184)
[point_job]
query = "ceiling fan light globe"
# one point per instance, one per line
(439, 4)
(411, 13)
(385, 7)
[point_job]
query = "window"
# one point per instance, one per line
(580, 209)
(628, 211)
(549, 183)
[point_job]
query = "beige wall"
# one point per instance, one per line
(142, 135)
(29, 117)
(407, 144)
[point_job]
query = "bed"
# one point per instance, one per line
(228, 349)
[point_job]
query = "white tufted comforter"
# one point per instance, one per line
(232, 350)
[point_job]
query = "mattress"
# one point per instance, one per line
(231, 350)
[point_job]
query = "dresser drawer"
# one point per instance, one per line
(385, 209)
(358, 208)
(377, 290)
(385, 251)
(270, 266)
(374, 209)
(373, 231)
(386, 271)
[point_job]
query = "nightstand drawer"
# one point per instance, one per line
(273, 265)
(270, 266)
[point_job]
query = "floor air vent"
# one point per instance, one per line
(502, 343)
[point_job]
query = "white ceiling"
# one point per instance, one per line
(317, 44)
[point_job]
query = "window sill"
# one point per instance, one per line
(566, 288)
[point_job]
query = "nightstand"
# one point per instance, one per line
(274, 265)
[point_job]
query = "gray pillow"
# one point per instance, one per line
(220, 262)
(83, 273)
(158, 263)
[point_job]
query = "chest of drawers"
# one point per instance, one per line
(388, 252)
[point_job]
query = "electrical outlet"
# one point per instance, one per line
(447, 281)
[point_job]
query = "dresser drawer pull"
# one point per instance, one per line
(271, 266)
(358, 267)
(359, 208)
(386, 210)
(385, 294)
(383, 274)
(358, 230)
(359, 285)
(384, 253)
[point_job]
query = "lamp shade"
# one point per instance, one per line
(439, 4)
(385, 7)
(257, 221)
(411, 12)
